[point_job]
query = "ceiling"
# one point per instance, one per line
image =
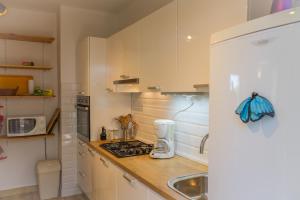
(112, 6)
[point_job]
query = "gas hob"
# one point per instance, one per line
(128, 148)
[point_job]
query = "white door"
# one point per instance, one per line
(128, 188)
(255, 160)
(159, 48)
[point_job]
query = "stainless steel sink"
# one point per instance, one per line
(194, 187)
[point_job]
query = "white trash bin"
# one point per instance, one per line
(48, 178)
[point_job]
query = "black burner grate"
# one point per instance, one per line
(128, 148)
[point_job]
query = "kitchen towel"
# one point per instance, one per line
(2, 154)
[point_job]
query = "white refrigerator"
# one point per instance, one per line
(256, 160)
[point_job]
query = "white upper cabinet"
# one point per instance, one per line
(130, 41)
(83, 67)
(169, 49)
(159, 48)
(193, 45)
(123, 55)
(113, 60)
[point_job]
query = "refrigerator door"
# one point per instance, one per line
(259, 160)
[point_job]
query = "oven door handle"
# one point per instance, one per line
(82, 108)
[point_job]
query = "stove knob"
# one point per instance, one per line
(130, 151)
(139, 151)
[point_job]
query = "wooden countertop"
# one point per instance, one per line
(154, 173)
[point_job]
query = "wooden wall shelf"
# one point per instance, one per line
(41, 39)
(7, 66)
(27, 96)
(4, 137)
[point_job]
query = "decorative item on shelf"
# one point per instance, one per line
(40, 92)
(14, 81)
(31, 87)
(280, 5)
(255, 108)
(48, 92)
(8, 91)
(28, 63)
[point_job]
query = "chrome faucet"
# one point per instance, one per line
(203, 141)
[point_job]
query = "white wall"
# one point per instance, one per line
(19, 168)
(191, 125)
(75, 24)
(137, 10)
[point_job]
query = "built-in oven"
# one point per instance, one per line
(83, 118)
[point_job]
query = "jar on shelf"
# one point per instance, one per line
(2, 120)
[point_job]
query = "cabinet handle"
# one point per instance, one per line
(81, 174)
(130, 180)
(154, 88)
(81, 154)
(261, 42)
(91, 152)
(200, 86)
(124, 77)
(109, 90)
(81, 143)
(104, 162)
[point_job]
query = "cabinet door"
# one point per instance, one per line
(159, 48)
(89, 172)
(193, 44)
(130, 38)
(82, 167)
(82, 67)
(114, 60)
(128, 188)
(151, 195)
(197, 21)
(104, 179)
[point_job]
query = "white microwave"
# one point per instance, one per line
(26, 125)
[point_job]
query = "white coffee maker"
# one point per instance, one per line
(164, 147)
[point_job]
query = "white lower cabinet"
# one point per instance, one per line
(99, 179)
(85, 159)
(104, 179)
(151, 195)
(129, 188)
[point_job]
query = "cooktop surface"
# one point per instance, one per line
(128, 148)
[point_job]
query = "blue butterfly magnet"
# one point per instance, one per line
(254, 108)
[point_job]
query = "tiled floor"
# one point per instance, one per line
(35, 196)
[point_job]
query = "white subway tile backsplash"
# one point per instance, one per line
(68, 139)
(191, 124)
